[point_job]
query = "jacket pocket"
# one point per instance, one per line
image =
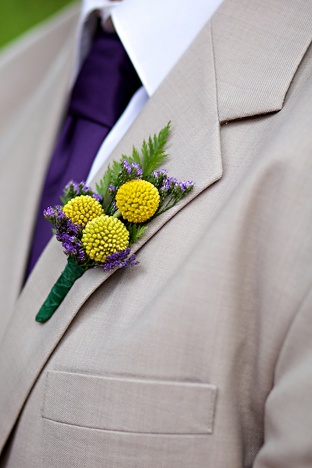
(129, 405)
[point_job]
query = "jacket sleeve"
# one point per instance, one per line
(288, 414)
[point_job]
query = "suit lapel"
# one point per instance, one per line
(190, 158)
(257, 52)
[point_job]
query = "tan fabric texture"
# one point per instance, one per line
(202, 355)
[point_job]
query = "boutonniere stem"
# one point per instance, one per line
(97, 228)
(70, 274)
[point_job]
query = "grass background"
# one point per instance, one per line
(17, 16)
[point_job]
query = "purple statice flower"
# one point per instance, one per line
(114, 207)
(75, 189)
(65, 225)
(68, 235)
(68, 243)
(99, 198)
(54, 215)
(160, 173)
(131, 171)
(120, 260)
(126, 166)
(111, 188)
(66, 232)
(157, 178)
(137, 171)
(168, 186)
(172, 191)
(50, 214)
(185, 186)
(171, 186)
(72, 246)
(80, 254)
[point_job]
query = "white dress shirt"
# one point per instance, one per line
(155, 35)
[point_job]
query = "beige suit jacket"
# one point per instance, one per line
(202, 355)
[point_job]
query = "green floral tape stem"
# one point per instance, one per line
(70, 274)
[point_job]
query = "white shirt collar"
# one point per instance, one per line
(154, 33)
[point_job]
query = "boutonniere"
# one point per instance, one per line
(98, 228)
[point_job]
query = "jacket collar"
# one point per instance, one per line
(258, 49)
(151, 57)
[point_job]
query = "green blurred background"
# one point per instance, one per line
(17, 16)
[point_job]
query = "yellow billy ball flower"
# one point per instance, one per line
(103, 236)
(83, 209)
(137, 200)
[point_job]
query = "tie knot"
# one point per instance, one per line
(106, 81)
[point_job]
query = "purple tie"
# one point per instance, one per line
(103, 89)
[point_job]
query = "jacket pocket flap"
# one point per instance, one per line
(129, 405)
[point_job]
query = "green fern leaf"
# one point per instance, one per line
(102, 186)
(136, 232)
(136, 155)
(153, 152)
